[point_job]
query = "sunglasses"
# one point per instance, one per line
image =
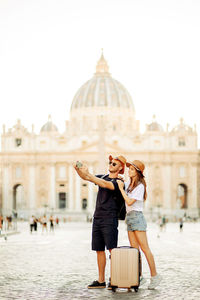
(112, 163)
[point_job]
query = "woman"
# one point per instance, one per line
(134, 195)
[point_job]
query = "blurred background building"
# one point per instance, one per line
(36, 169)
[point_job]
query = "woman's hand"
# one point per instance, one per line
(120, 177)
(120, 184)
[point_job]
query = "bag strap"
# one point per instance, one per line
(103, 176)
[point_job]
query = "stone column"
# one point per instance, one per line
(167, 187)
(90, 192)
(32, 195)
(52, 202)
(78, 193)
(71, 188)
(147, 203)
(192, 196)
(7, 205)
(101, 145)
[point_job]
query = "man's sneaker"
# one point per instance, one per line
(97, 285)
(154, 281)
(142, 280)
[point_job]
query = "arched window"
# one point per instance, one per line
(182, 196)
(18, 197)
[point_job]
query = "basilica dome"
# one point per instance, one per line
(102, 102)
(49, 126)
(154, 125)
(102, 91)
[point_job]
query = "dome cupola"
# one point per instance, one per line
(102, 67)
(49, 126)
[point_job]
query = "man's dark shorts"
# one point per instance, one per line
(104, 233)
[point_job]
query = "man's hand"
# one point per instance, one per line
(82, 171)
(120, 184)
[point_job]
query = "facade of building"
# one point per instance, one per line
(37, 175)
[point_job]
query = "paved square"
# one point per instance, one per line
(60, 265)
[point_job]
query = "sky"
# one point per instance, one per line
(48, 49)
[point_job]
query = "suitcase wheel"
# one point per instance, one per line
(136, 289)
(113, 289)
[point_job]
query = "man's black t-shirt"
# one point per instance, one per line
(106, 204)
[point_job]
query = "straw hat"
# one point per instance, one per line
(122, 160)
(138, 165)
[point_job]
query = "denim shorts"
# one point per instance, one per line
(135, 221)
(104, 233)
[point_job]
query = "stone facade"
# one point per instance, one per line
(36, 169)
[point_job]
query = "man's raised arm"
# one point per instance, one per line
(84, 174)
(101, 182)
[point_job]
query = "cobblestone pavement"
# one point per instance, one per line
(60, 265)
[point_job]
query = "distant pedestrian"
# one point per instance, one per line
(181, 225)
(57, 221)
(1, 223)
(164, 223)
(160, 226)
(44, 223)
(31, 223)
(35, 224)
(9, 222)
(51, 220)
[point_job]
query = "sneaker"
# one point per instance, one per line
(109, 286)
(154, 281)
(142, 280)
(97, 285)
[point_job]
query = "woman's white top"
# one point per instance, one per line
(137, 194)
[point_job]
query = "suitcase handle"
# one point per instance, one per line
(127, 247)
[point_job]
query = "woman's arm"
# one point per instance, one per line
(129, 201)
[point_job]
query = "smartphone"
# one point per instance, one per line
(79, 164)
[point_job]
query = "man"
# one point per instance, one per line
(105, 219)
